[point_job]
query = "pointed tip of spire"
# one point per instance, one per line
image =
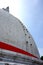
(7, 9)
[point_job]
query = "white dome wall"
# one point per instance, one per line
(13, 32)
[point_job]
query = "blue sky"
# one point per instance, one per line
(30, 12)
(34, 21)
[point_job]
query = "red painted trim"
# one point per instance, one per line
(6, 46)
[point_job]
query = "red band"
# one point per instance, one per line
(15, 49)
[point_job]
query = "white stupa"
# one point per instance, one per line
(16, 43)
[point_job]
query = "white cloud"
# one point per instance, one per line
(15, 6)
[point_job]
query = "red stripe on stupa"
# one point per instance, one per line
(9, 47)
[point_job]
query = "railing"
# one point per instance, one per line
(19, 59)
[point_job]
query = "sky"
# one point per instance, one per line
(30, 12)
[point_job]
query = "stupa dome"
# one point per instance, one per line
(14, 33)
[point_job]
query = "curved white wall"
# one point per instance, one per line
(13, 32)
